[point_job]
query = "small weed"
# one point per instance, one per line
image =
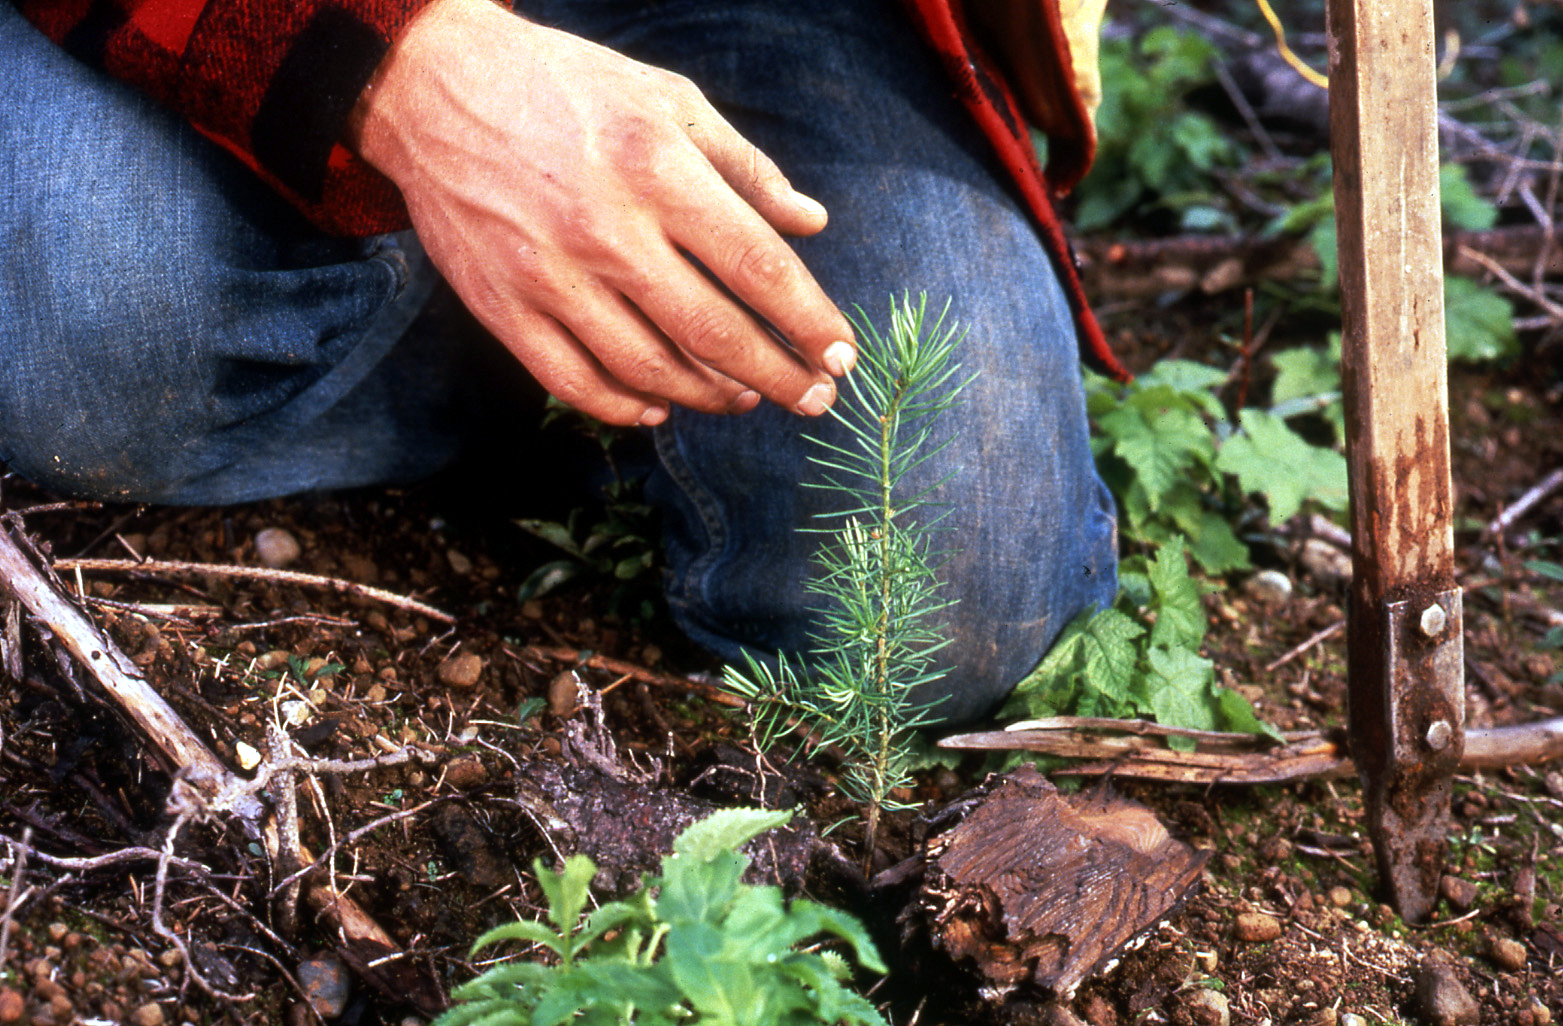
(692, 945)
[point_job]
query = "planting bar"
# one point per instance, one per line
(1404, 638)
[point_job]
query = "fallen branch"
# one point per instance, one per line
(179, 568)
(193, 764)
(618, 667)
(1525, 503)
(1135, 748)
(1297, 650)
(1126, 270)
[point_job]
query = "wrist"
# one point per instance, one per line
(404, 81)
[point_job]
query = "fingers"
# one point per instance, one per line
(641, 356)
(760, 269)
(720, 335)
(753, 175)
(763, 272)
(572, 374)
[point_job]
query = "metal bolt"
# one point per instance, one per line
(1439, 735)
(1434, 620)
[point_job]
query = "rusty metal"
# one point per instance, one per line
(1408, 745)
(1406, 684)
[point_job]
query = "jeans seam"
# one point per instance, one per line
(689, 589)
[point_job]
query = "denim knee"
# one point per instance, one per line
(162, 313)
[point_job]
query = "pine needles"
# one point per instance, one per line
(876, 640)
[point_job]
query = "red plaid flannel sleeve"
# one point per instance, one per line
(271, 81)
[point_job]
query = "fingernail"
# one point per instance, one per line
(653, 416)
(813, 206)
(745, 401)
(840, 358)
(817, 399)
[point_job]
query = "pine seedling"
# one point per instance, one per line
(876, 638)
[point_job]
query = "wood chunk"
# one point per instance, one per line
(1034, 886)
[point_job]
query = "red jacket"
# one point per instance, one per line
(273, 83)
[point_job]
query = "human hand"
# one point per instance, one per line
(599, 217)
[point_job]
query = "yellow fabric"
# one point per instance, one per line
(1083, 28)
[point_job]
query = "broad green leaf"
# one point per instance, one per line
(1110, 654)
(1478, 323)
(725, 831)
(567, 891)
(1160, 444)
(1270, 458)
(699, 890)
(1461, 205)
(1178, 688)
(1180, 619)
(1236, 713)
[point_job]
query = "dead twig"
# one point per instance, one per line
(618, 667)
(352, 837)
(1530, 292)
(179, 568)
(14, 898)
(1297, 650)
(1525, 503)
(200, 776)
(1134, 748)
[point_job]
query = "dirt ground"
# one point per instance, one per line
(503, 775)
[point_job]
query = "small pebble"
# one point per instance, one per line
(1459, 892)
(276, 548)
(248, 757)
(12, 1005)
(149, 1014)
(1324, 1017)
(1507, 953)
(1443, 998)
(1257, 927)
(170, 959)
(563, 693)
(465, 771)
(459, 563)
(461, 670)
(1269, 587)
(1207, 961)
(1352, 1019)
(326, 983)
(1209, 1008)
(1340, 897)
(1324, 562)
(1540, 1014)
(57, 932)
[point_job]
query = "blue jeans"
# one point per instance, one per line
(172, 332)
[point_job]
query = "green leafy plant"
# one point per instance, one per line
(877, 639)
(1478, 322)
(1156, 152)
(1138, 658)
(695, 944)
(615, 541)
(1182, 470)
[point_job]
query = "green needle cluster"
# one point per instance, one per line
(876, 637)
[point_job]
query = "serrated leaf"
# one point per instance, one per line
(1110, 653)
(1180, 619)
(1270, 458)
(1478, 323)
(1178, 688)
(726, 830)
(1160, 442)
(1461, 205)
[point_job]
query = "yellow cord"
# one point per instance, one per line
(1286, 52)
